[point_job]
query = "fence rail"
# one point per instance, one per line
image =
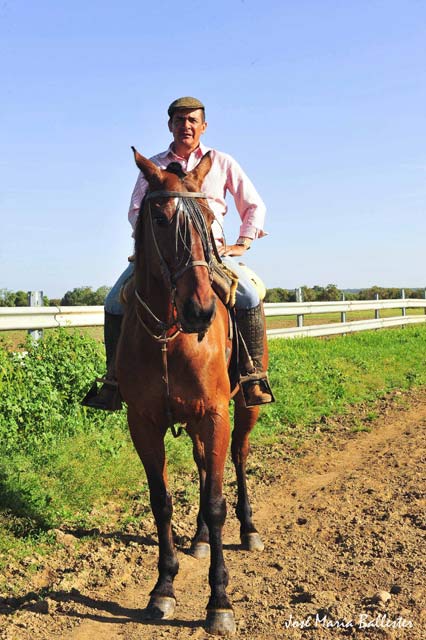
(33, 318)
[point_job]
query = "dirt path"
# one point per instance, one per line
(341, 522)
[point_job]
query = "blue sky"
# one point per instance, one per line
(321, 102)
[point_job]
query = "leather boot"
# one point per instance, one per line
(108, 397)
(254, 379)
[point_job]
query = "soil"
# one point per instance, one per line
(344, 526)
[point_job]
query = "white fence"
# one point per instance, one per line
(34, 318)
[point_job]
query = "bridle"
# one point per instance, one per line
(192, 214)
(191, 211)
(189, 207)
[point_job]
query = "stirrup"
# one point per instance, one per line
(258, 377)
(107, 398)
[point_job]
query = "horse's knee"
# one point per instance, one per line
(162, 506)
(214, 512)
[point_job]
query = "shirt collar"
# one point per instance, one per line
(199, 152)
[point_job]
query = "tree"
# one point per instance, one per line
(7, 298)
(85, 296)
(332, 293)
(21, 299)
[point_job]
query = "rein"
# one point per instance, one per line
(192, 214)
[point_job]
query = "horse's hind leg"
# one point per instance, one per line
(149, 444)
(200, 544)
(244, 420)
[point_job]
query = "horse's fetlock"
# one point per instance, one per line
(168, 566)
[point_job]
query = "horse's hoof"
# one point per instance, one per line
(252, 542)
(200, 550)
(220, 622)
(160, 608)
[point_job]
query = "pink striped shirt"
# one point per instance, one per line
(225, 175)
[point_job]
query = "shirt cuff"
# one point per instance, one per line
(248, 231)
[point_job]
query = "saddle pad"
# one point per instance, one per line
(255, 279)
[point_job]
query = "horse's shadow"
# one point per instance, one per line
(182, 543)
(104, 611)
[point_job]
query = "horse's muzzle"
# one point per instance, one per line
(195, 318)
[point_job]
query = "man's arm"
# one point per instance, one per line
(136, 199)
(250, 207)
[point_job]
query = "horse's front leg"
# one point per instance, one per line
(149, 443)
(214, 434)
(244, 420)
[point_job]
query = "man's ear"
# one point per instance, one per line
(201, 170)
(170, 125)
(148, 168)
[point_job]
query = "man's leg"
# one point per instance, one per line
(250, 322)
(108, 397)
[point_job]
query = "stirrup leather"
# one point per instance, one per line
(108, 382)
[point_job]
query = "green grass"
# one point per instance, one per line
(62, 465)
(279, 322)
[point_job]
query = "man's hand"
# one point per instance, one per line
(237, 249)
(232, 250)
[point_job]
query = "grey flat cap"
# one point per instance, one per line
(184, 103)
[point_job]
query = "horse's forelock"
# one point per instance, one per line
(176, 168)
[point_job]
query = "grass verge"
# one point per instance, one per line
(68, 467)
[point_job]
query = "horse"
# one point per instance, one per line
(172, 368)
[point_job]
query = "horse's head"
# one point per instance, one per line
(172, 240)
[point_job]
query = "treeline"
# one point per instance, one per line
(16, 298)
(332, 292)
(80, 296)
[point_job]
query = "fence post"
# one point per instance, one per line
(299, 298)
(376, 311)
(35, 299)
(404, 310)
(424, 295)
(343, 314)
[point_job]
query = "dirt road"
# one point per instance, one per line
(344, 528)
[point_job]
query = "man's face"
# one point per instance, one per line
(187, 127)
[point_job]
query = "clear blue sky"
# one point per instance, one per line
(323, 103)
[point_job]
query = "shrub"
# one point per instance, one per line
(41, 388)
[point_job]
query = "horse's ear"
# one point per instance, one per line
(148, 168)
(201, 170)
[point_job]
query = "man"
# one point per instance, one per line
(187, 124)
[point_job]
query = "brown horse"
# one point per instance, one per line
(172, 368)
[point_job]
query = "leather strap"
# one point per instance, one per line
(175, 194)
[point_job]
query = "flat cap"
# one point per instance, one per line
(185, 103)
